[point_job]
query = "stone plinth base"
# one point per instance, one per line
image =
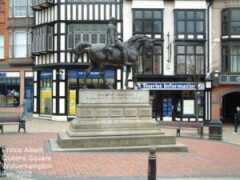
(114, 120)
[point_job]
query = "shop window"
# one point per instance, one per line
(1, 47)
(20, 8)
(46, 92)
(231, 21)
(148, 22)
(190, 59)
(152, 64)
(28, 94)
(20, 44)
(190, 24)
(87, 33)
(231, 58)
(9, 89)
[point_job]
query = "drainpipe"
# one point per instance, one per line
(210, 3)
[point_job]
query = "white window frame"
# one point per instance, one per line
(12, 44)
(13, 8)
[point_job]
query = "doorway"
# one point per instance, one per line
(229, 104)
(165, 104)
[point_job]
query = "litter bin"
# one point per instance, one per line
(215, 130)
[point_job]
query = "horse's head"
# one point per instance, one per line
(142, 42)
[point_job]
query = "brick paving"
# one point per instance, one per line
(26, 153)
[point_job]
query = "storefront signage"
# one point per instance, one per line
(91, 1)
(230, 79)
(93, 74)
(9, 74)
(170, 86)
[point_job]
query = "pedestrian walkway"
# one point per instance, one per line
(27, 155)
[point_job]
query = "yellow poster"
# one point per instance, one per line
(46, 101)
(72, 102)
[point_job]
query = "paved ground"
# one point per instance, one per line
(27, 156)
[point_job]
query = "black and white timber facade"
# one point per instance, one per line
(175, 75)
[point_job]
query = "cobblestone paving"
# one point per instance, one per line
(26, 155)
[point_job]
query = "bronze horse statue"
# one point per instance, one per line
(100, 57)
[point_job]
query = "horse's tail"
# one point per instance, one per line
(79, 50)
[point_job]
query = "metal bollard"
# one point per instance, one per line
(2, 173)
(152, 164)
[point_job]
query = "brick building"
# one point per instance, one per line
(225, 58)
(15, 55)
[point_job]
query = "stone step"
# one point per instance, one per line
(113, 121)
(112, 126)
(116, 129)
(115, 133)
(53, 145)
(102, 119)
(66, 141)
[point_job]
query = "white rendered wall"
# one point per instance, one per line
(190, 4)
(127, 20)
(153, 4)
(168, 54)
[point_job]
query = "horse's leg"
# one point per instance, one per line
(76, 57)
(134, 71)
(88, 71)
(127, 74)
(101, 70)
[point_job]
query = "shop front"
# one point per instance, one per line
(177, 101)
(9, 89)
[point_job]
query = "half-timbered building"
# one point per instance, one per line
(175, 75)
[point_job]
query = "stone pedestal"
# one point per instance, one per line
(114, 120)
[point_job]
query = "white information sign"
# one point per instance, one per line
(188, 107)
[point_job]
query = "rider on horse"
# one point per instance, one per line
(113, 42)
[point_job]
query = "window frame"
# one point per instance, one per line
(141, 60)
(194, 54)
(228, 22)
(28, 9)
(150, 20)
(73, 33)
(12, 43)
(190, 35)
(45, 35)
(226, 66)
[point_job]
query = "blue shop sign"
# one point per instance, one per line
(93, 74)
(46, 75)
(2, 74)
(169, 86)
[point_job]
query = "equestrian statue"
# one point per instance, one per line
(115, 53)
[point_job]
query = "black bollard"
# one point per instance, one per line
(2, 173)
(152, 164)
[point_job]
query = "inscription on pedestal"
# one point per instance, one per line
(113, 97)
